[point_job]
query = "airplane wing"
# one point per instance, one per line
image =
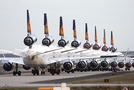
(64, 59)
(12, 60)
(18, 53)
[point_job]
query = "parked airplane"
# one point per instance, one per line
(46, 55)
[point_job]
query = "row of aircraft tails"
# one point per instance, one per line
(61, 57)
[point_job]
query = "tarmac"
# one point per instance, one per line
(48, 80)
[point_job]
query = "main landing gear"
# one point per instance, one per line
(54, 71)
(16, 71)
(35, 71)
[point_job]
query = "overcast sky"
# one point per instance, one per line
(111, 15)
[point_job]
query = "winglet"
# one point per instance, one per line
(45, 24)
(86, 32)
(112, 42)
(104, 37)
(95, 35)
(28, 23)
(74, 28)
(61, 27)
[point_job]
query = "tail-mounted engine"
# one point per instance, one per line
(48, 40)
(68, 65)
(112, 49)
(96, 46)
(105, 48)
(82, 65)
(30, 39)
(8, 66)
(87, 45)
(75, 43)
(63, 42)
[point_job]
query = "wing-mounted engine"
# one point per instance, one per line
(88, 44)
(114, 64)
(105, 64)
(76, 42)
(8, 66)
(63, 41)
(121, 64)
(82, 65)
(128, 65)
(48, 40)
(68, 65)
(96, 46)
(105, 47)
(25, 67)
(133, 64)
(112, 48)
(94, 64)
(31, 38)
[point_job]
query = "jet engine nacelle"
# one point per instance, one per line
(87, 45)
(94, 64)
(30, 39)
(75, 43)
(63, 42)
(104, 64)
(105, 48)
(8, 66)
(82, 65)
(68, 65)
(128, 65)
(133, 64)
(114, 64)
(113, 49)
(121, 64)
(25, 67)
(48, 40)
(96, 46)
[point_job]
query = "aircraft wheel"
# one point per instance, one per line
(58, 72)
(68, 72)
(42, 72)
(53, 73)
(14, 73)
(19, 73)
(37, 72)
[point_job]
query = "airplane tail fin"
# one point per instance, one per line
(95, 35)
(45, 24)
(76, 42)
(112, 42)
(104, 37)
(86, 32)
(48, 40)
(28, 23)
(63, 41)
(61, 27)
(74, 28)
(31, 38)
